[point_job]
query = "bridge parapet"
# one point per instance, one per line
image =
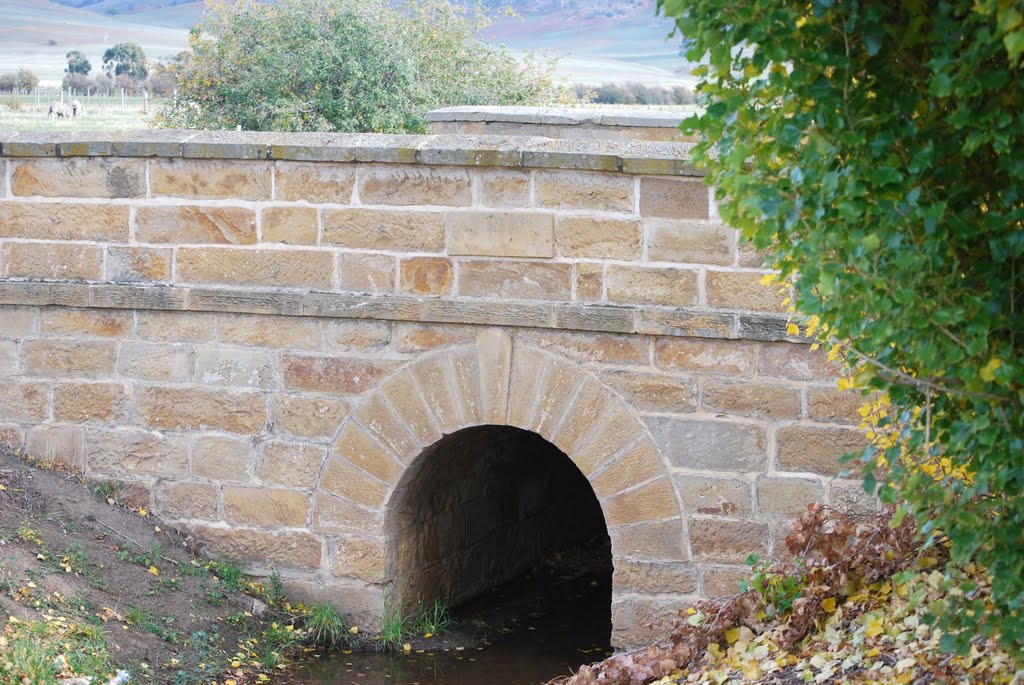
(264, 330)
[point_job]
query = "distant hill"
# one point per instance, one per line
(600, 41)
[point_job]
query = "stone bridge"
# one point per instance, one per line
(394, 368)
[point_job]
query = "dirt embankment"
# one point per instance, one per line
(90, 584)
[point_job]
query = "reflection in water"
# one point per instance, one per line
(548, 627)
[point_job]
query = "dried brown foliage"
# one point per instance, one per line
(831, 548)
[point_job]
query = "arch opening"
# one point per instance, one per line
(486, 505)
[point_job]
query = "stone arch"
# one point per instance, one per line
(496, 383)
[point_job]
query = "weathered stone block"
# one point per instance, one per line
(342, 479)
(357, 335)
(227, 366)
(787, 497)
(417, 337)
(359, 558)
(589, 282)
(515, 280)
(290, 549)
(658, 577)
(723, 540)
(333, 515)
(410, 406)
(175, 326)
(653, 391)
(676, 241)
(155, 361)
(210, 179)
(615, 433)
(99, 323)
(357, 446)
(292, 464)
(494, 351)
(344, 375)
(591, 347)
(501, 234)
(816, 449)
(833, 405)
(651, 285)
(17, 322)
(138, 264)
(191, 408)
(558, 387)
(223, 459)
(706, 356)
(599, 238)
(751, 399)
(23, 401)
(384, 229)
(11, 437)
(60, 221)
(9, 354)
(57, 445)
(72, 262)
(79, 177)
(185, 224)
(289, 225)
(640, 463)
(76, 402)
(649, 502)
(686, 323)
(287, 332)
(61, 358)
(265, 267)
(408, 184)
(743, 290)
(314, 182)
(850, 496)
(504, 188)
(583, 190)
(711, 445)
(663, 540)
(723, 581)
(674, 198)
(796, 362)
(366, 273)
(427, 275)
(263, 506)
(433, 375)
(641, 620)
(714, 496)
(137, 453)
(308, 417)
(184, 500)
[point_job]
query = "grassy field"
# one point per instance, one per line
(110, 120)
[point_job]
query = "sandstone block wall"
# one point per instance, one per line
(265, 331)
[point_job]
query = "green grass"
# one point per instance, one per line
(325, 626)
(110, 120)
(432, 619)
(392, 633)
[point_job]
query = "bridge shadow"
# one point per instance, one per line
(485, 505)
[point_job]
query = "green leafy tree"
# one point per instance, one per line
(343, 65)
(126, 59)
(78, 63)
(876, 148)
(26, 80)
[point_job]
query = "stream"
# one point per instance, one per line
(523, 633)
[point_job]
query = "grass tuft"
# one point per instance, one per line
(325, 626)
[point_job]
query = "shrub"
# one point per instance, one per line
(877, 148)
(343, 65)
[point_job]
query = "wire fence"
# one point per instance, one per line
(39, 100)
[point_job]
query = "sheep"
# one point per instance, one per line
(58, 110)
(76, 109)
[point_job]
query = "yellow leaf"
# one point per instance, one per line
(732, 635)
(428, 635)
(230, 681)
(354, 630)
(792, 329)
(236, 664)
(829, 604)
(988, 372)
(406, 647)
(154, 571)
(2, 488)
(874, 627)
(845, 383)
(143, 512)
(768, 279)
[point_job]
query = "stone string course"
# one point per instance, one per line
(263, 331)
